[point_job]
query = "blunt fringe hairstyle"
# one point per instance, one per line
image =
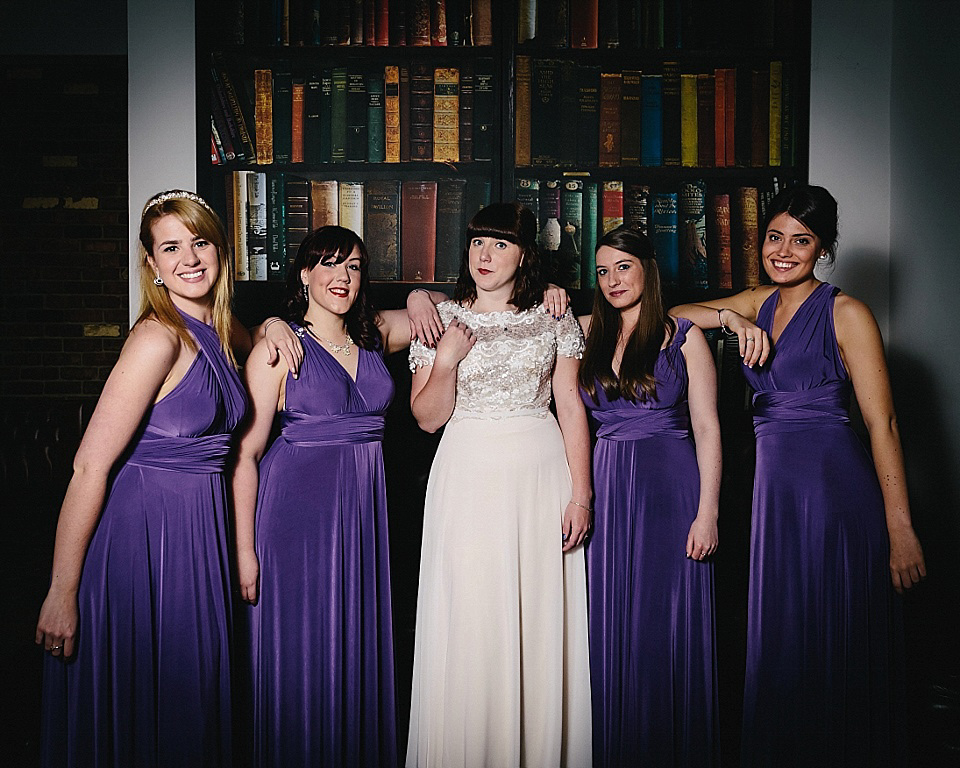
(333, 244)
(515, 224)
(155, 299)
(636, 380)
(815, 208)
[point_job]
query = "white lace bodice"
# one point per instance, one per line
(510, 366)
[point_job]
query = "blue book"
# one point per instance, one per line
(663, 233)
(651, 118)
(692, 236)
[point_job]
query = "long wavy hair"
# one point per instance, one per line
(515, 224)
(155, 301)
(333, 243)
(636, 380)
(815, 208)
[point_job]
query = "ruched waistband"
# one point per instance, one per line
(206, 455)
(338, 429)
(775, 412)
(640, 423)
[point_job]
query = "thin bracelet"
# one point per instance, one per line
(582, 506)
(723, 325)
(271, 320)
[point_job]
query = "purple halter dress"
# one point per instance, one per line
(149, 682)
(321, 635)
(651, 608)
(824, 635)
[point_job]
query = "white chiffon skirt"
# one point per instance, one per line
(501, 663)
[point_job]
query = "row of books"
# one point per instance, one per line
(414, 231)
(362, 22)
(655, 24)
(383, 114)
(705, 239)
(734, 116)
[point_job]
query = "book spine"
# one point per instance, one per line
(356, 22)
(419, 18)
(705, 121)
(569, 113)
(446, 115)
(787, 113)
(451, 233)
(584, 24)
(338, 116)
(312, 117)
(438, 23)
(276, 229)
(357, 127)
(324, 203)
(382, 200)
(611, 86)
(527, 193)
(297, 199)
(549, 234)
(730, 114)
(216, 151)
(222, 132)
(398, 23)
(636, 207)
(351, 206)
(630, 118)
(418, 230)
(481, 26)
(719, 119)
(369, 22)
(748, 248)
(421, 111)
(760, 118)
(326, 116)
(257, 224)
(776, 113)
(263, 84)
(692, 224)
(526, 20)
(722, 276)
(239, 116)
(651, 131)
(484, 109)
(571, 232)
(523, 91)
(588, 115)
(590, 217)
(382, 21)
(282, 116)
(672, 112)
(404, 89)
(608, 25)
(466, 111)
(237, 222)
(553, 20)
(545, 113)
(392, 113)
(664, 236)
(689, 130)
(376, 120)
(297, 121)
(611, 206)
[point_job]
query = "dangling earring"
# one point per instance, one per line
(158, 280)
(306, 293)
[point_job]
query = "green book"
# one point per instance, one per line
(589, 222)
(338, 116)
(376, 120)
(571, 232)
(357, 117)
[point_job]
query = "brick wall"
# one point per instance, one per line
(63, 223)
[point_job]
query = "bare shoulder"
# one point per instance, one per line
(584, 321)
(151, 340)
(852, 316)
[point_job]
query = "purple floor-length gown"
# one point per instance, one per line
(321, 637)
(149, 682)
(651, 608)
(824, 635)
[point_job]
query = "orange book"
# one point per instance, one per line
(296, 150)
(263, 115)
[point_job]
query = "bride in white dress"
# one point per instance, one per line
(501, 668)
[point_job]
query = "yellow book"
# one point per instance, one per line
(391, 85)
(263, 115)
(446, 115)
(688, 120)
(776, 111)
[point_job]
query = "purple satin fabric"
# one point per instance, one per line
(824, 644)
(149, 683)
(652, 658)
(320, 640)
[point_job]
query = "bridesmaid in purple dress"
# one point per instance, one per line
(312, 537)
(657, 490)
(136, 620)
(824, 641)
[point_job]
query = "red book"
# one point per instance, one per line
(418, 230)
(438, 22)
(719, 118)
(611, 87)
(721, 274)
(481, 31)
(584, 23)
(418, 16)
(730, 108)
(382, 22)
(705, 121)
(611, 205)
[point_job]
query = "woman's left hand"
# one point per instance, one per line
(576, 526)
(281, 341)
(425, 323)
(702, 539)
(907, 566)
(556, 300)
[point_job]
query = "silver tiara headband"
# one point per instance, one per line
(177, 194)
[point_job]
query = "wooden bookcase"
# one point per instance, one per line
(742, 36)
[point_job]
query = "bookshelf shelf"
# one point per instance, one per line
(539, 130)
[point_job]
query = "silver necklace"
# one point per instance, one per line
(343, 349)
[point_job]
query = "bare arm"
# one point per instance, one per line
(702, 539)
(738, 313)
(572, 418)
(146, 361)
(433, 391)
(265, 387)
(281, 342)
(423, 322)
(862, 349)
